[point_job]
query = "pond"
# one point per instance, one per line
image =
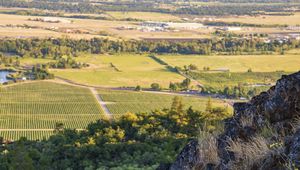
(3, 75)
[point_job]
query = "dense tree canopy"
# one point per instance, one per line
(56, 48)
(239, 7)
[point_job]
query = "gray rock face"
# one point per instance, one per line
(294, 149)
(188, 157)
(279, 106)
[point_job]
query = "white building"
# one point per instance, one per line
(186, 26)
(294, 28)
(55, 20)
(231, 29)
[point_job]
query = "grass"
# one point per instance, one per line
(238, 63)
(221, 80)
(147, 16)
(39, 105)
(120, 102)
(265, 19)
(130, 70)
(94, 27)
(33, 61)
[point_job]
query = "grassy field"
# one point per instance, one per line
(130, 70)
(120, 102)
(35, 108)
(265, 19)
(93, 27)
(146, 16)
(238, 63)
(33, 61)
(219, 81)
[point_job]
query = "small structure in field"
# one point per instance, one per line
(230, 28)
(52, 20)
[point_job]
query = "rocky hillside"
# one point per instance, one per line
(263, 134)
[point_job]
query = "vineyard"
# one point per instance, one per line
(33, 109)
(120, 102)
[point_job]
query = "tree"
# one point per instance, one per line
(193, 67)
(59, 127)
(186, 83)
(173, 86)
(208, 108)
(177, 104)
(138, 88)
(21, 158)
(155, 86)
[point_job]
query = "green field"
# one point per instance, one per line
(219, 81)
(130, 70)
(120, 102)
(33, 109)
(238, 63)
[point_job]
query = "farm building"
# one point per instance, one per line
(230, 28)
(294, 28)
(54, 20)
(187, 26)
(163, 26)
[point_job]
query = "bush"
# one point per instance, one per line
(155, 86)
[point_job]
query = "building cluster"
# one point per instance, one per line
(150, 26)
(229, 28)
(293, 28)
(283, 37)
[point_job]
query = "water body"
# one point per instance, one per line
(3, 75)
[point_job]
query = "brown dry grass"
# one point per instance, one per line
(264, 19)
(246, 121)
(93, 26)
(208, 150)
(249, 154)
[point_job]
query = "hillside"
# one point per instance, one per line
(262, 134)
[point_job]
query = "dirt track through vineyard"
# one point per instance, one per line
(101, 102)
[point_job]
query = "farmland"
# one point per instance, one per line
(238, 63)
(120, 70)
(264, 19)
(33, 109)
(147, 16)
(251, 80)
(20, 26)
(251, 74)
(120, 102)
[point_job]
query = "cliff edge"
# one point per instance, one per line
(264, 133)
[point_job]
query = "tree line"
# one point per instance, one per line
(56, 48)
(151, 6)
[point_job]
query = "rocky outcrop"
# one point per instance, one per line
(188, 157)
(277, 108)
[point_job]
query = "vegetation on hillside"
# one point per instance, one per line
(133, 141)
